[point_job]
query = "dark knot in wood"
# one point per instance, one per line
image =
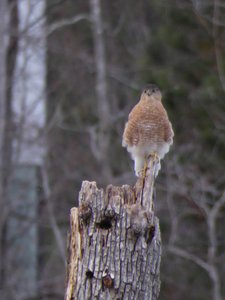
(104, 224)
(89, 274)
(107, 281)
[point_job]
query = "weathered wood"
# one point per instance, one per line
(115, 243)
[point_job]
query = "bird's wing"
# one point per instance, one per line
(135, 110)
(169, 134)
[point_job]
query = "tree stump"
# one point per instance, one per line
(114, 249)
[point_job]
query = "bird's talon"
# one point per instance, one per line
(154, 155)
(142, 173)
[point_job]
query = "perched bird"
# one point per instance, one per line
(148, 130)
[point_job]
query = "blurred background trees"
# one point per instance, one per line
(70, 73)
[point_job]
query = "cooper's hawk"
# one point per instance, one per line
(148, 130)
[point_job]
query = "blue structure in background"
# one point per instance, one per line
(22, 232)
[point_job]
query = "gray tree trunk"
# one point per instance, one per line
(101, 138)
(8, 55)
(3, 13)
(114, 249)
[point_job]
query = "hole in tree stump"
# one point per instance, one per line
(89, 274)
(104, 224)
(151, 233)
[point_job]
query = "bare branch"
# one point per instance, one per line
(185, 254)
(58, 236)
(67, 22)
(218, 205)
(219, 59)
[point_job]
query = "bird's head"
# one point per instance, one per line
(151, 91)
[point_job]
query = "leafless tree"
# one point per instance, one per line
(2, 126)
(8, 54)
